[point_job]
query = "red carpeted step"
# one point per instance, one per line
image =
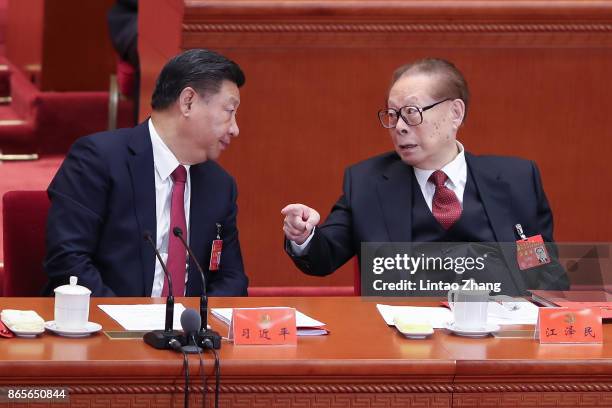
(17, 120)
(7, 113)
(16, 134)
(3, 20)
(23, 94)
(54, 120)
(5, 83)
(5, 80)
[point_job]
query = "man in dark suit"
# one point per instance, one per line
(430, 190)
(116, 187)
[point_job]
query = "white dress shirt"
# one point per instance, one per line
(456, 171)
(165, 163)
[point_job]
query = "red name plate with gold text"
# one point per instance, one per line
(570, 325)
(264, 325)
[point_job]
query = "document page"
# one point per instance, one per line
(143, 317)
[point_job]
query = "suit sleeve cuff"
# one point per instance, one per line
(300, 250)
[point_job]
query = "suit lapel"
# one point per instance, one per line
(142, 176)
(496, 199)
(202, 192)
(395, 197)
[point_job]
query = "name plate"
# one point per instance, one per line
(264, 325)
(570, 325)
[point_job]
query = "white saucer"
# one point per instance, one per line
(89, 328)
(417, 336)
(472, 332)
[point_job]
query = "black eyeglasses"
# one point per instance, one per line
(412, 115)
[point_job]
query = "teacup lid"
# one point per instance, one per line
(72, 289)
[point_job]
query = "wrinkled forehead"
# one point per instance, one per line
(414, 88)
(228, 93)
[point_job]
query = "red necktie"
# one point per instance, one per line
(177, 255)
(445, 206)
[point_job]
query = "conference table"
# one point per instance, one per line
(361, 363)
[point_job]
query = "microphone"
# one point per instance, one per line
(190, 322)
(160, 339)
(206, 338)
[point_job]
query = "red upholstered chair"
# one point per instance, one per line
(24, 222)
(126, 75)
(123, 92)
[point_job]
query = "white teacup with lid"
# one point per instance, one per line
(72, 306)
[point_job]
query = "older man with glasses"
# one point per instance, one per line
(430, 189)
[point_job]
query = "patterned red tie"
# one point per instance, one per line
(445, 206)
(177, 255)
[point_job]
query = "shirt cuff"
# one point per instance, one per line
(299, 250)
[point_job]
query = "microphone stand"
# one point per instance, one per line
(207, 338)
(160, 339)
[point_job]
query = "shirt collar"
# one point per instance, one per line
(456, 170)
(164, 160)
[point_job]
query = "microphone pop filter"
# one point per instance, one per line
(190, 321)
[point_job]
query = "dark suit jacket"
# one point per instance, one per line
(376, 207)
(102, 202)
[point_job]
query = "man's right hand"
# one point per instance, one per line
(299, 222)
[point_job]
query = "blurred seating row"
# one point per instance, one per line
(24, 224)
(47, 122)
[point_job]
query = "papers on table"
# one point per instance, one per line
(152, 317)
(143, 317)
(306, 325)
(436, 316)
(520, 312)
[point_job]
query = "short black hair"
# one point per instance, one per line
(201, 69)
(452, 85)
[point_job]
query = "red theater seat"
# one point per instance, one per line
(126, 77)
(24, 222)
